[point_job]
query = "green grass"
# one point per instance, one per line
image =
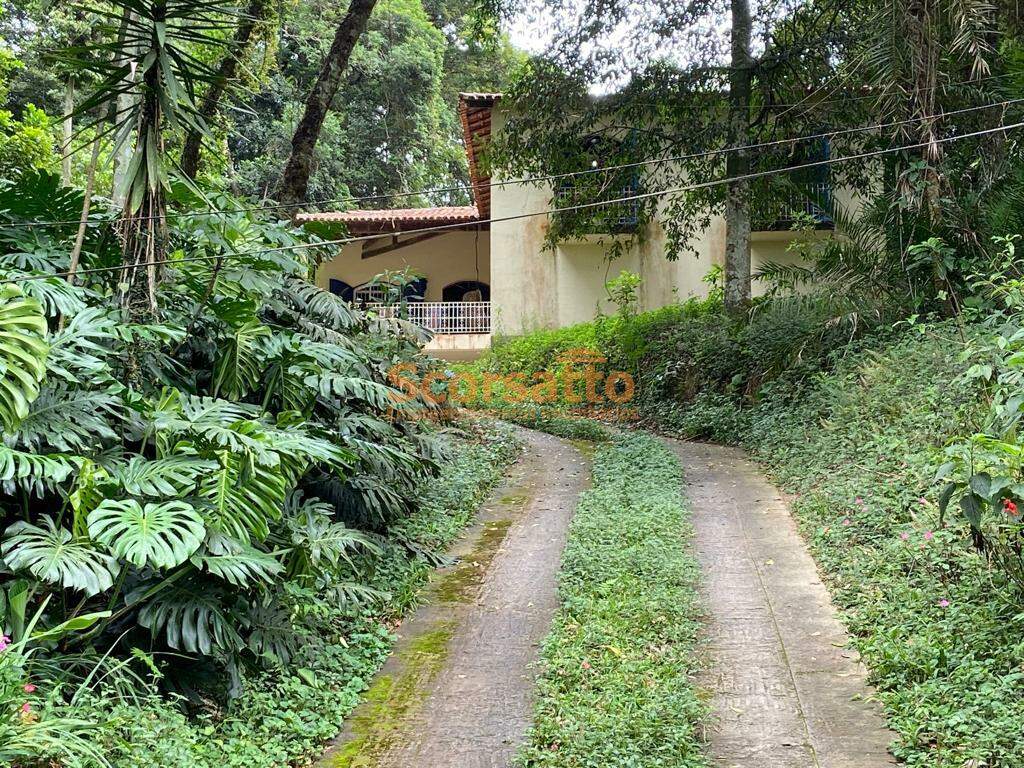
(616, 684)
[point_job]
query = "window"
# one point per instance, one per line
(378, 291)
(369, 293)
(466, 290)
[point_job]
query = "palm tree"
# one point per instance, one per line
(149, 66)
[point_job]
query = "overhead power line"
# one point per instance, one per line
(565, 175)
(519, 216)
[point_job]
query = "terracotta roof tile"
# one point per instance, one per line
(391, 219)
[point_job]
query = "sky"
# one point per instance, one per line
(528, 30)
(532, 30)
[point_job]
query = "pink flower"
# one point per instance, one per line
(26, 707)
(943, 603)
(29, 688)
(4, 642)
(922, 501)
(859, 501)
(904, 536)
(928, 535)
(846, 521)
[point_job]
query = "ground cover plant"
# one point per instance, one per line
(868, 436)
(937, 621)
(615, 685)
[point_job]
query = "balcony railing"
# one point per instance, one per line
(803, 202)
(598, 216)
(443, 317)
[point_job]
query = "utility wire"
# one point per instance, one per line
(557, 176)
(516, 217)
(845, 99)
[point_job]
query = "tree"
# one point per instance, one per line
(255, 13)
(685, 85)
(299, 166)
(737, 197)
(148, 55)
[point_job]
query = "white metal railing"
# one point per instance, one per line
(443, 316)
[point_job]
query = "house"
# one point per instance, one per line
(487, 268)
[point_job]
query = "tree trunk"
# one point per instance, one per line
(143, 219)
(737, 201)
(922, 21)
(67, 132)
(226, 72)
(295, 181)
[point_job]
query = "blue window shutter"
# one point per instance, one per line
(340, 288)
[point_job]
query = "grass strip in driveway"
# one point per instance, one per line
(616, 684)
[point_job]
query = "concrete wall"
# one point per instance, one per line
(443, 260)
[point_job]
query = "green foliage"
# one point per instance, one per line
(857, 437)
(938, 629)
(150, 468)
(984, 471)
(30, 728)
(27, 142)
(627, 586)
(623, 292)
(22, 354)
(53, 555)
(160, 535)
(284, 715)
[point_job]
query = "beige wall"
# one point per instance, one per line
(533, 286)
(537, 287)
(443, 260)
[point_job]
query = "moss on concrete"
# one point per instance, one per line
(392, 699)
(461, 583)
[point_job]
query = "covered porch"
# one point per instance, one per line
(450, 295)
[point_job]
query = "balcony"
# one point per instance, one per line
(790, 207)
(598, 217)
(443, 317)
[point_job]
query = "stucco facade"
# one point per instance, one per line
(448, 258)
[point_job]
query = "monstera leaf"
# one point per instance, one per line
(23, 352)
(235, 562)
(160, 535)
(194, 619)
(52, 554)
(239, 361)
